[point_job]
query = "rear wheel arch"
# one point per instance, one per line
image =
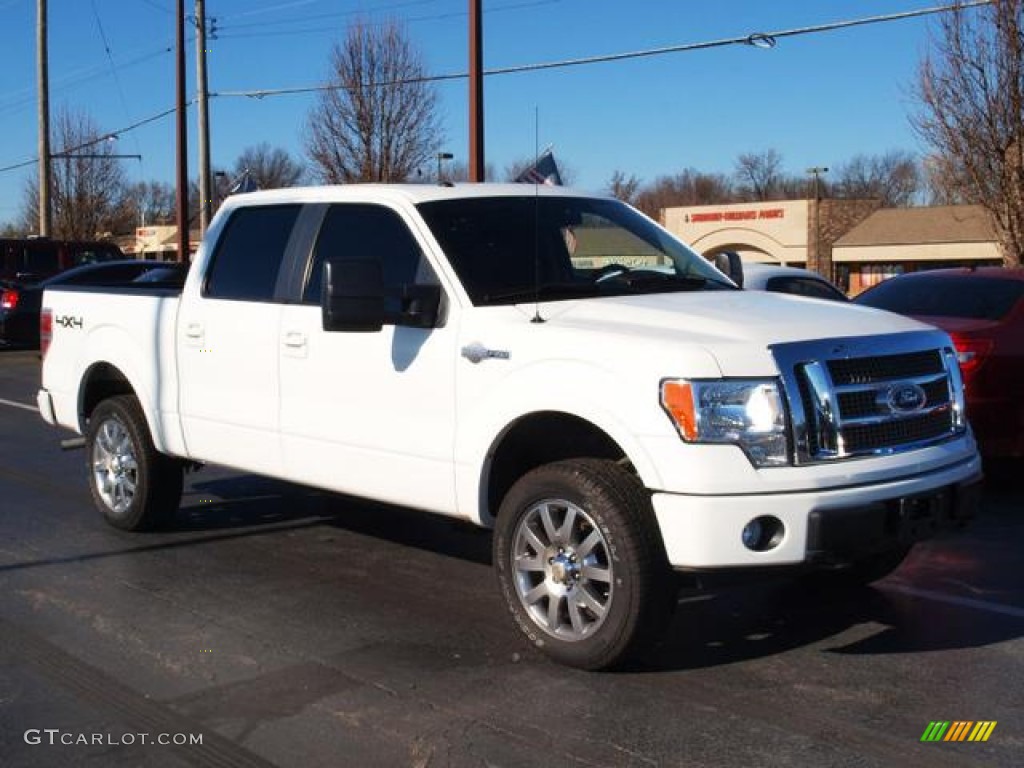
(101, 381)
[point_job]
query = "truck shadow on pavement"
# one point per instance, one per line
(710, 627)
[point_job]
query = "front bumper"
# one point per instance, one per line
(820, 526)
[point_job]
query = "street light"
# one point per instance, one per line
(817, 172)
(441, 156)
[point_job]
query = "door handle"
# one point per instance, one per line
(194, 334)
(295, 339)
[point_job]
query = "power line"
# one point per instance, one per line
(320, 29)
(314, 17)
(756, 39)
(99, 139)
(759, 39)
(113, 70)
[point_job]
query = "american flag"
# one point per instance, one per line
(544, 171)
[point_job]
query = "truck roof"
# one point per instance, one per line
(411, 193)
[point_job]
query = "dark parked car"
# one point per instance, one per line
(982, 309)
(20, 303)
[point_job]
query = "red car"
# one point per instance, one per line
(982, 309)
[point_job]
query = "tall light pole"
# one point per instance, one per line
(43, 87)
(817, 172)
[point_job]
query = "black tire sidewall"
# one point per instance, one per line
(158, 482)
(624, 623)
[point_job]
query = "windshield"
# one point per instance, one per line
(512, 249)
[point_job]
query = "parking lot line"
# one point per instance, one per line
(964, 602)
(23, 406)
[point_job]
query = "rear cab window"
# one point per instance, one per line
(249, 254)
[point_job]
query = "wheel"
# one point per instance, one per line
(581, 565)
(132, 484)
(864, 571)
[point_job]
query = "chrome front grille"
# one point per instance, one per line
(863, 397)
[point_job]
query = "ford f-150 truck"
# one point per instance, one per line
(546, 363)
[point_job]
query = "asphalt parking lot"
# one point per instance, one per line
(283, 626)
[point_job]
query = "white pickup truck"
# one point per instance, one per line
(549, 364)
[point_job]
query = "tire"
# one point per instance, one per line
(865, 571)
(132, 484)
(581, 565)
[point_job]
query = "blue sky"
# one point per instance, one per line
(817, 99)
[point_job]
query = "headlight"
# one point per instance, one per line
(744, 412)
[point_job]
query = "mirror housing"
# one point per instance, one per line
(352, 296)
(354, 299)
(730, 263)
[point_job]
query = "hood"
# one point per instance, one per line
(736, 327)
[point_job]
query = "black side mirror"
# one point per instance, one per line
(730, 263)
(353, 296)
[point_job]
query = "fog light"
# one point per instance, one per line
(763, 533)
(752, 534)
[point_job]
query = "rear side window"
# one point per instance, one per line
(363, 231)
(981, 298)
(250, 252)
(38, 259)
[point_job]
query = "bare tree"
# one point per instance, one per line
(894, 178)
(624, 187)
(971, 90)
(87, 183)
(148, 202)
(759, 176)
(688, 187)
(379, 122)
(269, 167)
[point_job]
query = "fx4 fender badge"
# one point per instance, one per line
(477, 352)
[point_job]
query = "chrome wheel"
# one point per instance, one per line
(115, 467)
(561, 569)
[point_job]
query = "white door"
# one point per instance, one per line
(369, 413)
(228, 345)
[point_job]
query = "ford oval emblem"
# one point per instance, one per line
(905, 397)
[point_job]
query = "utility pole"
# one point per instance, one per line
(43, 87)
(205, 180)
(476, 91)
(181, 144)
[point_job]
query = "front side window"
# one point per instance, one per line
(249, 253)
(359, 231)
(513, 249)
